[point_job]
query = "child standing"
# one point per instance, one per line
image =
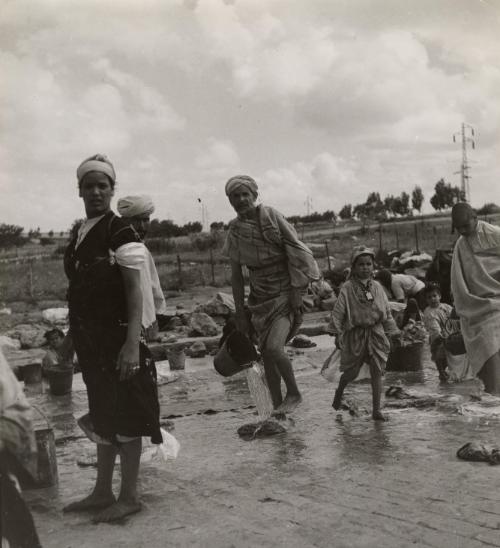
(436, 315)
(362, 320)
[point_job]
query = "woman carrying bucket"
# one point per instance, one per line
(280, 268)
(103, 264)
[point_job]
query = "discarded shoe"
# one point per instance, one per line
(269, 427)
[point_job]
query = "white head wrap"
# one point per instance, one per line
(241, 180)
(132, 206)
(98, 162)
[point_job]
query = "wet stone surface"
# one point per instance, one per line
(329, 481)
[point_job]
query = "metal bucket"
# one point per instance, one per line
(176, 359)
(60, 382)
(235, 355)
(32, 373)
(406, 358)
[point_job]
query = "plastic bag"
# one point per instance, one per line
(165, 451)
(331, 368)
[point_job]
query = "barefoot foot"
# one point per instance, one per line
(379, 416)
(289, 403)
(118, 511)
(92, 502)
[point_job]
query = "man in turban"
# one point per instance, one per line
(137, 211)
(280, 269)
(475, 284)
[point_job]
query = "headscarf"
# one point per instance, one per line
(241, 180)
(98, 162)
(132, 206)
(361, 250)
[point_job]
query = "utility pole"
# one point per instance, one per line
(204, 215)
(309, 205)
(464, 168)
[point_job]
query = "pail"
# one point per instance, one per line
(236, 354)
(60, 382)
(32, 373)
(406, 358)
(46, 473)
(176, 359)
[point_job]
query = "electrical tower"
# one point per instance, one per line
(464, 168)
(309, 205)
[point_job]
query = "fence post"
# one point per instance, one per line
(434, 230)
(397, 237)
(31, 288)
(328, 256)
(179, 270)
(416, 238)
(380, 237)
(212, 265)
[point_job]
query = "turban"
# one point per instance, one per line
(241, 180)
(362, 250)
(461, 213)
(132, 206)
(98, 162)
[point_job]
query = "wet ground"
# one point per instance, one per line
(329, 481)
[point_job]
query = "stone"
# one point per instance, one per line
(202, 325)
(221, 305)
(55, 315)
(9, 343)
(302, 341)
(29, 335)
(197, 350)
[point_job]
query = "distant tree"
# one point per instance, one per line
(11, 235)
(488, 209)
(326, 216)
(445, 195)
(404, 204)
(417, 199)
(50, 234)
(346, 212)
(217, 225)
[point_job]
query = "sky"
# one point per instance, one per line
(318, 100)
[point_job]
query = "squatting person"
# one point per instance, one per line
(280, 268)
(105, 313)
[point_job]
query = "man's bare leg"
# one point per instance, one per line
(347, 377)
(490, 374)
(376, 380)
(128, 501)
(102, 495)
(273, 379)
(274, 352)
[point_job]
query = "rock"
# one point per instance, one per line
(185, 318)
(169, 339)
(197, 350)
(29, 335)
(5, 311)
(302, 341)
(221, 305)
(174, 322)
(55, 315)
(202, 325)
(9, 343)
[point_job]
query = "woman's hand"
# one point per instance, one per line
(128, 360)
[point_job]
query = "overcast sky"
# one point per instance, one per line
(323, 98)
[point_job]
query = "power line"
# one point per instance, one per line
(464, 167)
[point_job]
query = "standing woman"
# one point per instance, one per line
(280, 268)
(362, 320)
(105, 310)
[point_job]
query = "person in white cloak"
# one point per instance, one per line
(475, 284)
(137, 210)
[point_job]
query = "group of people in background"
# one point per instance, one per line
(114, 295)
